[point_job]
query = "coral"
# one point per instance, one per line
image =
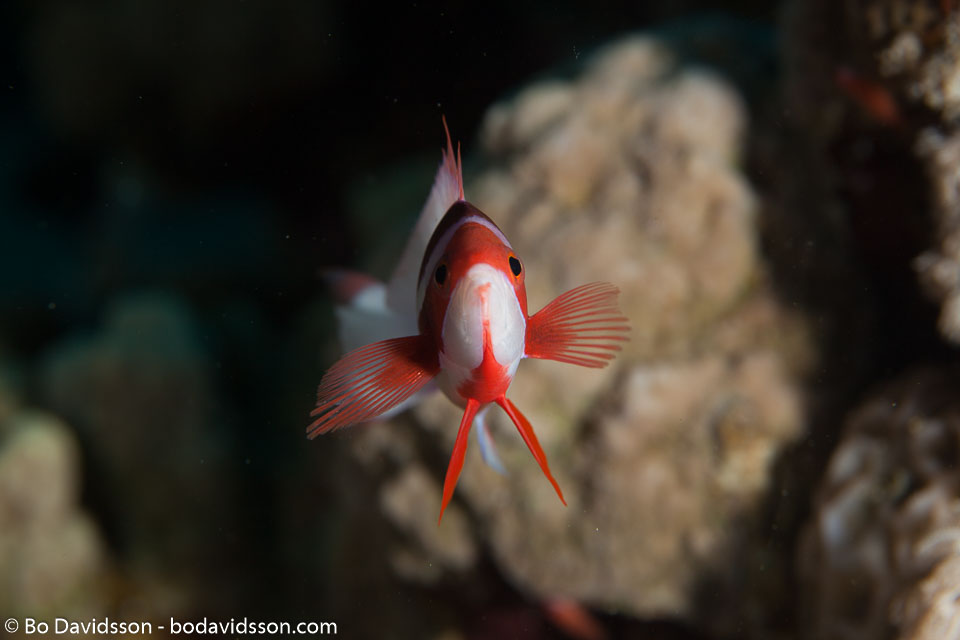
(881, 553)
(918, 53)
(601, 172)
(881, 91)
(655, 484)
(140, 395)
(52, 558)
(939, 266)
(410, 499)
(626, 173)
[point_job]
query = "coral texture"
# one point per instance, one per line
(887, 74)
(881, 557)
(939, 266)
(52, 558)
(138, 392)
(917, 51)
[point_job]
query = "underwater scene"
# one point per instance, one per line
(513, 320)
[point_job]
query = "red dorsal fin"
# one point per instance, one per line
(370, 381)
(459, 450)
(526, 432)
(582, 326)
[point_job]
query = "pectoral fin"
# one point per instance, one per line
(583, 326)
(371, 380)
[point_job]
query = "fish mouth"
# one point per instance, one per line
(484, 319)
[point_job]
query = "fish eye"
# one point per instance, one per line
(515, 266)
(440, 275)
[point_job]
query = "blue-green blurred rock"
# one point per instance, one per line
(139, 390)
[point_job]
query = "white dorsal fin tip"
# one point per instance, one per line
(451, 162)
(460, 171)
(447, 189)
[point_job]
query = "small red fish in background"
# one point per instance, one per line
(574, 619)
(548, 620)
(454, 316)
(874, 98)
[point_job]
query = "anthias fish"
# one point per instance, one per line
(454, 317)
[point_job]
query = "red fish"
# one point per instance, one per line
(878, 102)
(460, 323)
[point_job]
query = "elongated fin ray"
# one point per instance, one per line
(457, 168)
(459, 451)
(370, 381)
(447, 189)
(583, 326)
(526, 432)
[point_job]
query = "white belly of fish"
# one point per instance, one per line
(483, 297)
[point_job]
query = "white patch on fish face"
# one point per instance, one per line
(441, 247)
(483, 295)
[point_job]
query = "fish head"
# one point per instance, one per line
(472, 295)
